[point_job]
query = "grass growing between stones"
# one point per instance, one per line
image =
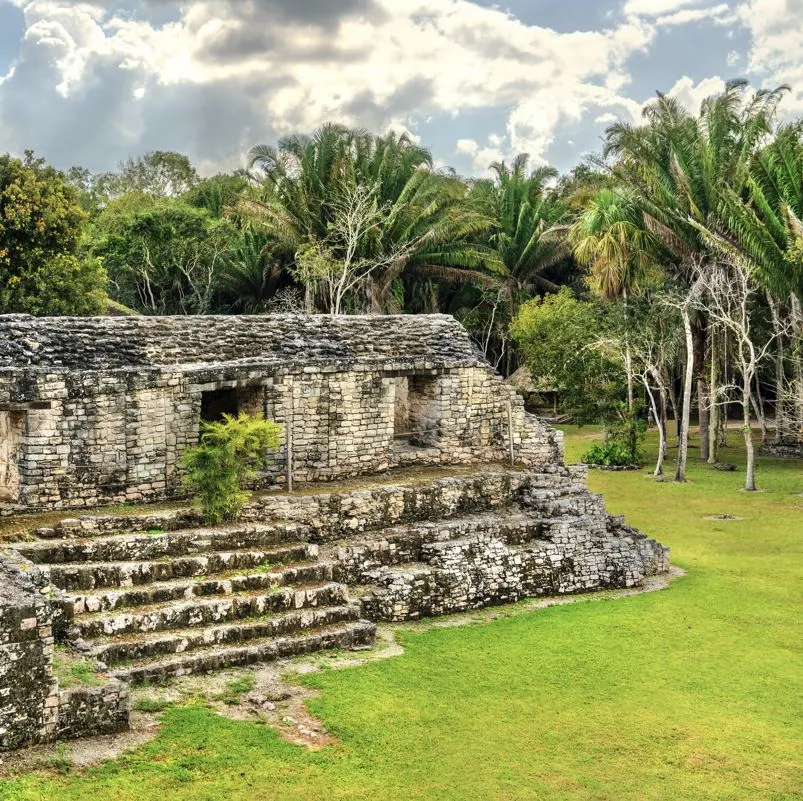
(689, 693)
(73, 670)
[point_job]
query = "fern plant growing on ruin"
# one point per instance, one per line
(226, 460)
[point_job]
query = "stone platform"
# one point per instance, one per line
(155, 596)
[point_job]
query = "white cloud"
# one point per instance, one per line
(482, 157)
(388, 63)
(734, 57)
(655, 8)
(720, 14)
(691, 94)
(606, 118)
(776, 27)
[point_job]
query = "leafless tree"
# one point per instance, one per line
(338, 264)
(729, 300)
(685, 302)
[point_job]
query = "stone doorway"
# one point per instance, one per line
(232, 400)
(416, 411)
(12, 425)
(217, 402)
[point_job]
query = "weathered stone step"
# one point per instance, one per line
(576, 502)
(107, 600)
(97, 575)
(402, 544)
(345, 636)
(113, 651)
(140, 547)
(190, 614)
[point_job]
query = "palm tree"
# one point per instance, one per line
(611, 238)
(523, 214)
(424, 213)
(680, 166)
(521, 248)
(761, 228)
(251, 276)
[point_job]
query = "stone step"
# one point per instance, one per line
(401, 544)
(198, 613)
(551, 503)
(345, 636)
(114, 650)
(97, 575)
(107, 600)
(141, 547)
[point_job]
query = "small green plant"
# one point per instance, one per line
(74, 671)
(235, 688)
(154, 532)
(151, 705)
(227, 458)
(609, 454)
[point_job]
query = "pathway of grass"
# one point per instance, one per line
(690, 693)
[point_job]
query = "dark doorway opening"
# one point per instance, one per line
(416, 417)
(216, 403)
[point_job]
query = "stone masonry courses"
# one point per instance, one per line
(408, 502)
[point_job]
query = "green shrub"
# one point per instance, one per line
(236, 688)
(227, 458)
(151, 705)
(621, 446)
(609, 454)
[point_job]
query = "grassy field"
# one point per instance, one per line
(689, 693)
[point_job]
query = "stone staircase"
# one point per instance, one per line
(149, 606)
(154, 596)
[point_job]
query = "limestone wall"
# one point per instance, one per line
(32, 708)
(89, 439)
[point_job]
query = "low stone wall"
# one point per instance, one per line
(91, 711)
(28, 691)
(483, 570)
(782, 450)
(32, 709)
(331, 515)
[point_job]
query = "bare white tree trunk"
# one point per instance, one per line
(688, 382)
(750, 479)
(659, 421)
(713, 424)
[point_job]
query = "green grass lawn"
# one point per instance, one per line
(693, 692)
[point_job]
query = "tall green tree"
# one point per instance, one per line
(41, 272)
(162, 255)
(524, 252)
(680, 165)
(419, 213)
(522, 212)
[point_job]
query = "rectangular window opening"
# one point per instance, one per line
(217, 402)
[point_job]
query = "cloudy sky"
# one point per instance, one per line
(94, 82)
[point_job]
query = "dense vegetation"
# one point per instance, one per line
(679, 248)
(680, 694)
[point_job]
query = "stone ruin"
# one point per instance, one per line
(422, 488)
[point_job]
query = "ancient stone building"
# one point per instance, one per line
(435, 493)
(99, 410)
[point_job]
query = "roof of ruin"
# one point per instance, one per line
(112, 343)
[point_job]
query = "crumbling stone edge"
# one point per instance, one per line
(33, 709)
